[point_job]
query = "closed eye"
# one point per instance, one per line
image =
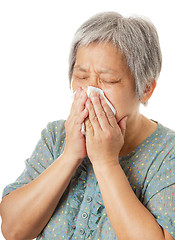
(111, 81)
(84, 77)
(80, 76)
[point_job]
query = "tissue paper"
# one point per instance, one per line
(100, 92)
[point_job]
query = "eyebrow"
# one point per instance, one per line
(103, 70)
(79, 67)
(108, 70)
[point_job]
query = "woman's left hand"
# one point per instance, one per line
(104, 136)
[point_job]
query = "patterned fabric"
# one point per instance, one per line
(80, 213)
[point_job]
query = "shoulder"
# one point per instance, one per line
(162, 168)
(165, 131)
(161, 156)
(55, 128)
(53, 136)
(165, 137)
(164, 149)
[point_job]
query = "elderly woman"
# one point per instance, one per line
(116, 181)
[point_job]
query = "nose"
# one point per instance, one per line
(92, 81)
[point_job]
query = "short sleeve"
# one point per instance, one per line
(160, 194)
(49, 147)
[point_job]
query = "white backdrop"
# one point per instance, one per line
(35, 38)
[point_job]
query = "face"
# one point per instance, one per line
(103, 66)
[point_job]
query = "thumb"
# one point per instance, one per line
(122, 125)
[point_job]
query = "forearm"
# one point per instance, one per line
(128, 216)
(27, 210)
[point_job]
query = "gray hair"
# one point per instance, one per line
(136, 37)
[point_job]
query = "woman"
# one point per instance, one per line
(117, 181)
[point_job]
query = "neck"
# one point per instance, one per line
(138, 129)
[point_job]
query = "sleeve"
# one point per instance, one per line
(49, 147)
(160, 194)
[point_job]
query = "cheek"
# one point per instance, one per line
(124, 102)
(74, 85)
(119, 104)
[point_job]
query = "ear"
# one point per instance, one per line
(148, 92)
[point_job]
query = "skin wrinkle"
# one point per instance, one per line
(102, 70)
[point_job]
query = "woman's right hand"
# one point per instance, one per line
(75, 141)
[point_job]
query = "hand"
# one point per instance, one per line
(75, 141)
(104, 136)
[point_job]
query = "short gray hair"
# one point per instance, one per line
(136, 37)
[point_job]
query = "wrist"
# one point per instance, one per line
(71, 159)
(105, 166)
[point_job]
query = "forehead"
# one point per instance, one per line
(100, 55)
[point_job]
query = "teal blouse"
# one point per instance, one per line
(80, 213)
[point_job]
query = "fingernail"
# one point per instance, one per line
(101, 97)
(93, 94)
(88, 102)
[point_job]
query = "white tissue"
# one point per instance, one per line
(100, 92)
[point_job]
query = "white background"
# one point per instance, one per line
(35, 38)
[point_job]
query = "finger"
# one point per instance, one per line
(77, 93)
(122, 125)
(109, 113)
(79, 102)
(92, 116)
(88, 127)
(81, 118)
(78, 112)
(100, 113)
(76, 121)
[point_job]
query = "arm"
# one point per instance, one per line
(26, 210)
(129, 218)
(32, 205)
